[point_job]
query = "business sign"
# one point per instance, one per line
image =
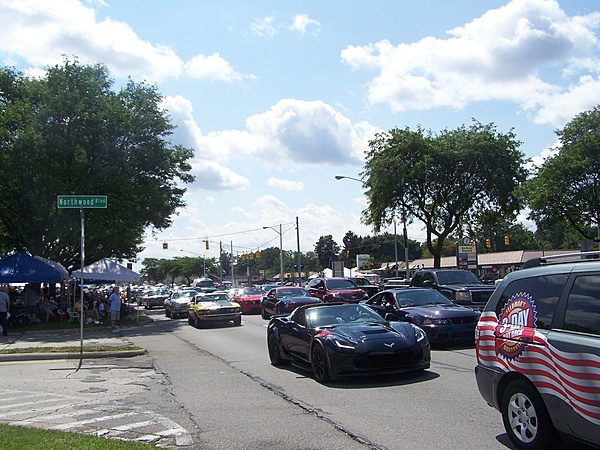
(81, 201)
(466, 254)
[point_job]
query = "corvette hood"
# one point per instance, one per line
(398, 331)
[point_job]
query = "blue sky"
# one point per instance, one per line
(277, 98)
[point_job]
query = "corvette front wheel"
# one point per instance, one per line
(319, 363)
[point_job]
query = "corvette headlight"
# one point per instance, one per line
(419, 334)
(343, 344)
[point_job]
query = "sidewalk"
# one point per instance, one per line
(95, 337)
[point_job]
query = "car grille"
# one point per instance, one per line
(464, 320)
(481, 296)
(388, 361)
(352, 297)
(220, 311)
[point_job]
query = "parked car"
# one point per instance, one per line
(213, 307)
(335, 290)
(460, 286)
(176, 304)
(155, 297)
(284, 299)
(365, 285)
(336, 340)
(442, 320)
(204, 284)
(538, 351)
(249, 299)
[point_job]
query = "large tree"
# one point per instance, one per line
(327, 250)
(565, 192)
(444, 181)
(69, 133)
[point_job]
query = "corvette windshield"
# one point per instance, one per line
(342, 314)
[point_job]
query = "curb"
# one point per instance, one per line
(70, 355)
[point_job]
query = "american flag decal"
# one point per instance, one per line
(573, 377)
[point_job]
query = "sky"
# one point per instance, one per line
(278, 97)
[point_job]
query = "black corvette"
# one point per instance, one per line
(335, 340)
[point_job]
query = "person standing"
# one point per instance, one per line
(115, 309)
(30, 302)
(4, 308)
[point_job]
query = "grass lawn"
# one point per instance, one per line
(24, 438)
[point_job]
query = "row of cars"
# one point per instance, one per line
(537, 338)
(537, 344)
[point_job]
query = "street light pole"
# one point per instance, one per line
(280, 232)
(340, 177)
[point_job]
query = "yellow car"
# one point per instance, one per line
(213, 307)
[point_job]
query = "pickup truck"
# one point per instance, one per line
(460, 286)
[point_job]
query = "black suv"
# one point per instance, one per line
(460, 286)
(538, 351)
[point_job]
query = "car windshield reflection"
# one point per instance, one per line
(342, 314)
(429, 297)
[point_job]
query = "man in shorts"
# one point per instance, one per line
(115, 309)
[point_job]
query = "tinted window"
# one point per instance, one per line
(583, 305)
(544, 291)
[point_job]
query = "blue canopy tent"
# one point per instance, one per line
(22, 268)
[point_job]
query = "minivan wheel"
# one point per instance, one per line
(526, 419)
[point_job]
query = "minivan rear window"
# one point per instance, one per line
(544, 291)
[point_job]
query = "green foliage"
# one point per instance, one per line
(565, 191)
(19, 438)
(69, 133)
(441, 180)
(327, 249)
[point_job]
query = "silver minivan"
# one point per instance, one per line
(538, 351)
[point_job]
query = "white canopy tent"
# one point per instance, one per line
(107, 270)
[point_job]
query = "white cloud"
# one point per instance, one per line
(40, 32)
(292, 132)
(263, 27)
(286, 185)
(268, 27)
(212, 67)
(498, 56)
(302, 22)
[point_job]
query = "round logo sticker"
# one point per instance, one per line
(516, 326)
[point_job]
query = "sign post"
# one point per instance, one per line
(81, 202)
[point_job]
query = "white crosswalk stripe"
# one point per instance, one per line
(66, 413)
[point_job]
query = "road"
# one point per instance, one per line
(440, 408)
(214, 388)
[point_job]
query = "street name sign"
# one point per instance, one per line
(81, 201)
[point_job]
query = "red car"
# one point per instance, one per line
(335, 290)
(249, 299)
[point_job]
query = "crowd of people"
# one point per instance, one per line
(25, 306)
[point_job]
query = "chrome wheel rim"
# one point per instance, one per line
(523, 418)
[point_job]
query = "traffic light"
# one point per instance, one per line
(488, 243)
(206, 245)
(347, 253)
(257, 254)
(165, 245)
(506, 240)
